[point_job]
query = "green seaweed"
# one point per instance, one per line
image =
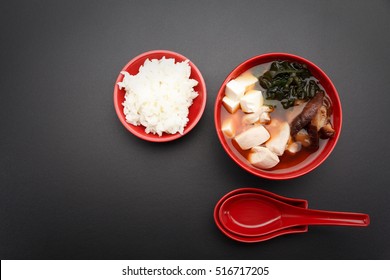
(288, 81)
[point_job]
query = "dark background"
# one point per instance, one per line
(74, 184)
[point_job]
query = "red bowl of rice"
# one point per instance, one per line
(195, 110)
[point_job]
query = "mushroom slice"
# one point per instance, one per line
(303, 137)
(321, 118)
(314, 138)
(327, 131)
(308, 113)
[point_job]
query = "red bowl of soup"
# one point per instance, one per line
(163, 102)
(278, 116)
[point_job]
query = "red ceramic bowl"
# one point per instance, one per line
(195, 111)
(312, 161)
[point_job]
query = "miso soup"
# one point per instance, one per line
(292, 106)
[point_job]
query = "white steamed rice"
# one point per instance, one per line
(159, 96)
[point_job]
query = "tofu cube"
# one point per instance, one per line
(262, 116)
(251, 101)
(265, 118)
(279, 138)
(294, 147)
(228, 128)
(230, 105)
(263, 158)
(250, 118)
(252, 137)
(247, 80)
(234, 90)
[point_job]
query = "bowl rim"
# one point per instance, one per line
(166, 137)
(271, 57)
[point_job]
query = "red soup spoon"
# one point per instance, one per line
(255, 214)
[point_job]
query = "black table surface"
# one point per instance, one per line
(74, 184)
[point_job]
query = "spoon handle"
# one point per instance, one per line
(321, 217)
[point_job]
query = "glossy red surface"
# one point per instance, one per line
(308, 165)
(255, 214)
(195, 111)
(251, 239)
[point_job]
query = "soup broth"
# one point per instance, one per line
(288, 161)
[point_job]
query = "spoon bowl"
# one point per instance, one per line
(255, 214)
(252, 239)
